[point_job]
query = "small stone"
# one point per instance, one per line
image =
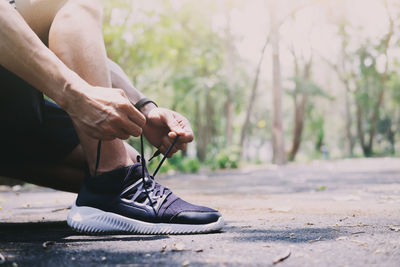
(178, 247)
(14, 264)
(103, 258)
(147, 255)
(186, 263)
(73, 258)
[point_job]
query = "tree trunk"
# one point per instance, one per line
(349, 136)
(360, 131)
(200, 138)
(252, 98)
(368, 148)
(300, 107)
(210, 128)
(278, 145)
(230, 74)
(229, 118)
(299, 117)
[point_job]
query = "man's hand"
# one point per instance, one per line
(105, 113)
(162, 126)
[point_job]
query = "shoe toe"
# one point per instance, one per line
(196, 217)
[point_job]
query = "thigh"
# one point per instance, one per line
(31, 128)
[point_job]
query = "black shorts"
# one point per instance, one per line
(31, 128)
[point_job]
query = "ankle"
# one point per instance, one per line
(109, 166)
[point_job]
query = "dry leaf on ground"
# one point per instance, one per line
(282, 258)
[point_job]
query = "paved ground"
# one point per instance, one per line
(344, 213)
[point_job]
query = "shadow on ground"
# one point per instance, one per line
(57, 231)
(296, 235)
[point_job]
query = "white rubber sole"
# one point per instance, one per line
(92, 220)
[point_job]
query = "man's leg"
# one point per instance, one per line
(76, 38)
(66, 175)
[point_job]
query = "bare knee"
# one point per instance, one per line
(79, 11)
(92, 8)
(75, 18)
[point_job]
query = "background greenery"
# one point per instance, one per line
(211, 61)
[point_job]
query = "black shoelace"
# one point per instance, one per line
(142, 160)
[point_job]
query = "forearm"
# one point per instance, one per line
(119, 79)
(23, 53)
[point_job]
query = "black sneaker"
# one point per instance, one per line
(121, 201)
(125, 200)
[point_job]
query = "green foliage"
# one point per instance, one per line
(307, 87)
(226, 158)
(177, 163)
(316, 127)
(320, 188)
(175, 54)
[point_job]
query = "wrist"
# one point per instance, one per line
(147, 108)
(145, 105)
(73, 91)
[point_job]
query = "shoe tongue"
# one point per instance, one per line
(135, 172)
(116, 180)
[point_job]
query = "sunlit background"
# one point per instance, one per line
(338, 64)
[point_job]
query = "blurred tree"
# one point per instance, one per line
(278, 142)
(368, 100)
(252, 97)
(346, 74)
(186, 56)
(175, 57)
(300, 96)
(230, 66)
(366, 81)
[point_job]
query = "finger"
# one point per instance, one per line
(187, 135)
(131, 128)
(181, 146)
(172, 152)
(172, 135)
(122, 126)
(166, 144)
(173, 124)
(133, 114)
(163, 149)
(123, 135)
(182, 141)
